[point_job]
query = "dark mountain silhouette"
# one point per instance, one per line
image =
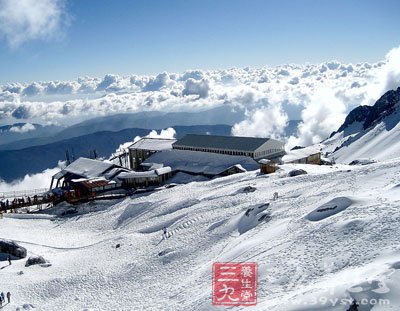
(16, 164)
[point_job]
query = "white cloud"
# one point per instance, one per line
(35, 181)
(168, 133)
(324, 114)
(25, 20)
(267, 94)
(266, 121)
(193, 87)
(386, 77)
(27, 127)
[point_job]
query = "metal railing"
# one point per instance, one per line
(22, 193)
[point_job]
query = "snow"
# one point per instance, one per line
(352, 251)
(302, 153)
(265, 161)
(154, 144)
(330, 208)
(152, 173)
(184, 178)
(381, 142)
(87, 168)
(196, 162)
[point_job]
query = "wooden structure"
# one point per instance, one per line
(314, 158)
(84, 169)
(143, 179)
(25, 202)
(145, 147)
(89, 187)
(267, 166)
(307, 155)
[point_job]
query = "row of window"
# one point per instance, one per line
(229, 152)
(268, 152)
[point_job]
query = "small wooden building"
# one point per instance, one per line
(85, 172)
(307, 155)
(267, 166)
(143, 179)
(145, 147)
(90, 187)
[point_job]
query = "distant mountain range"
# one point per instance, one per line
(368, 132)
(143, 120)
(36, 150)
(17, 163)
(9, 134)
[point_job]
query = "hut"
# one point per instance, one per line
(145, 147)
(84, 187)
(267, 166)
(86, 170)
(143, 179)
(307, 155)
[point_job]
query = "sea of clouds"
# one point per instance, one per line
(322, 95)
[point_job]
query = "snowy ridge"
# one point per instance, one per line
(368, 132)
(350, 253)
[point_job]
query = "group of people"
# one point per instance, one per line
(3, 298)
(25, 201)
(18, 202)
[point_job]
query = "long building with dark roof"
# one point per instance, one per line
(256, 148)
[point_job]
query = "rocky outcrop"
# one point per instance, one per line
(35, 260)
(371, 115)
(297, 172)
(12, 248)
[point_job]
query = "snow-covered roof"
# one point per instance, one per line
(201, 162)
(155, 144)
(144, 174)
(163, 170)
(265, 161)
(86, 168)
(221, 142)
(112, 173)
(152, 166)
(302, 153)
(93, 182)
(132, 175)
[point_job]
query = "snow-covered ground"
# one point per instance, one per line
(306, 262)
(381, 142)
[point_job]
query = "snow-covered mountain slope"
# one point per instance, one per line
(332, 235)
(369, 132)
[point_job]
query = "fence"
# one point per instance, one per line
(22, 193)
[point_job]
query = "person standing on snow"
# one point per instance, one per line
(8, 297)
(9, 259)
(165, 232)
(3, 298)
(354, 306)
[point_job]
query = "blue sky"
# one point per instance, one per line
(151, 36)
